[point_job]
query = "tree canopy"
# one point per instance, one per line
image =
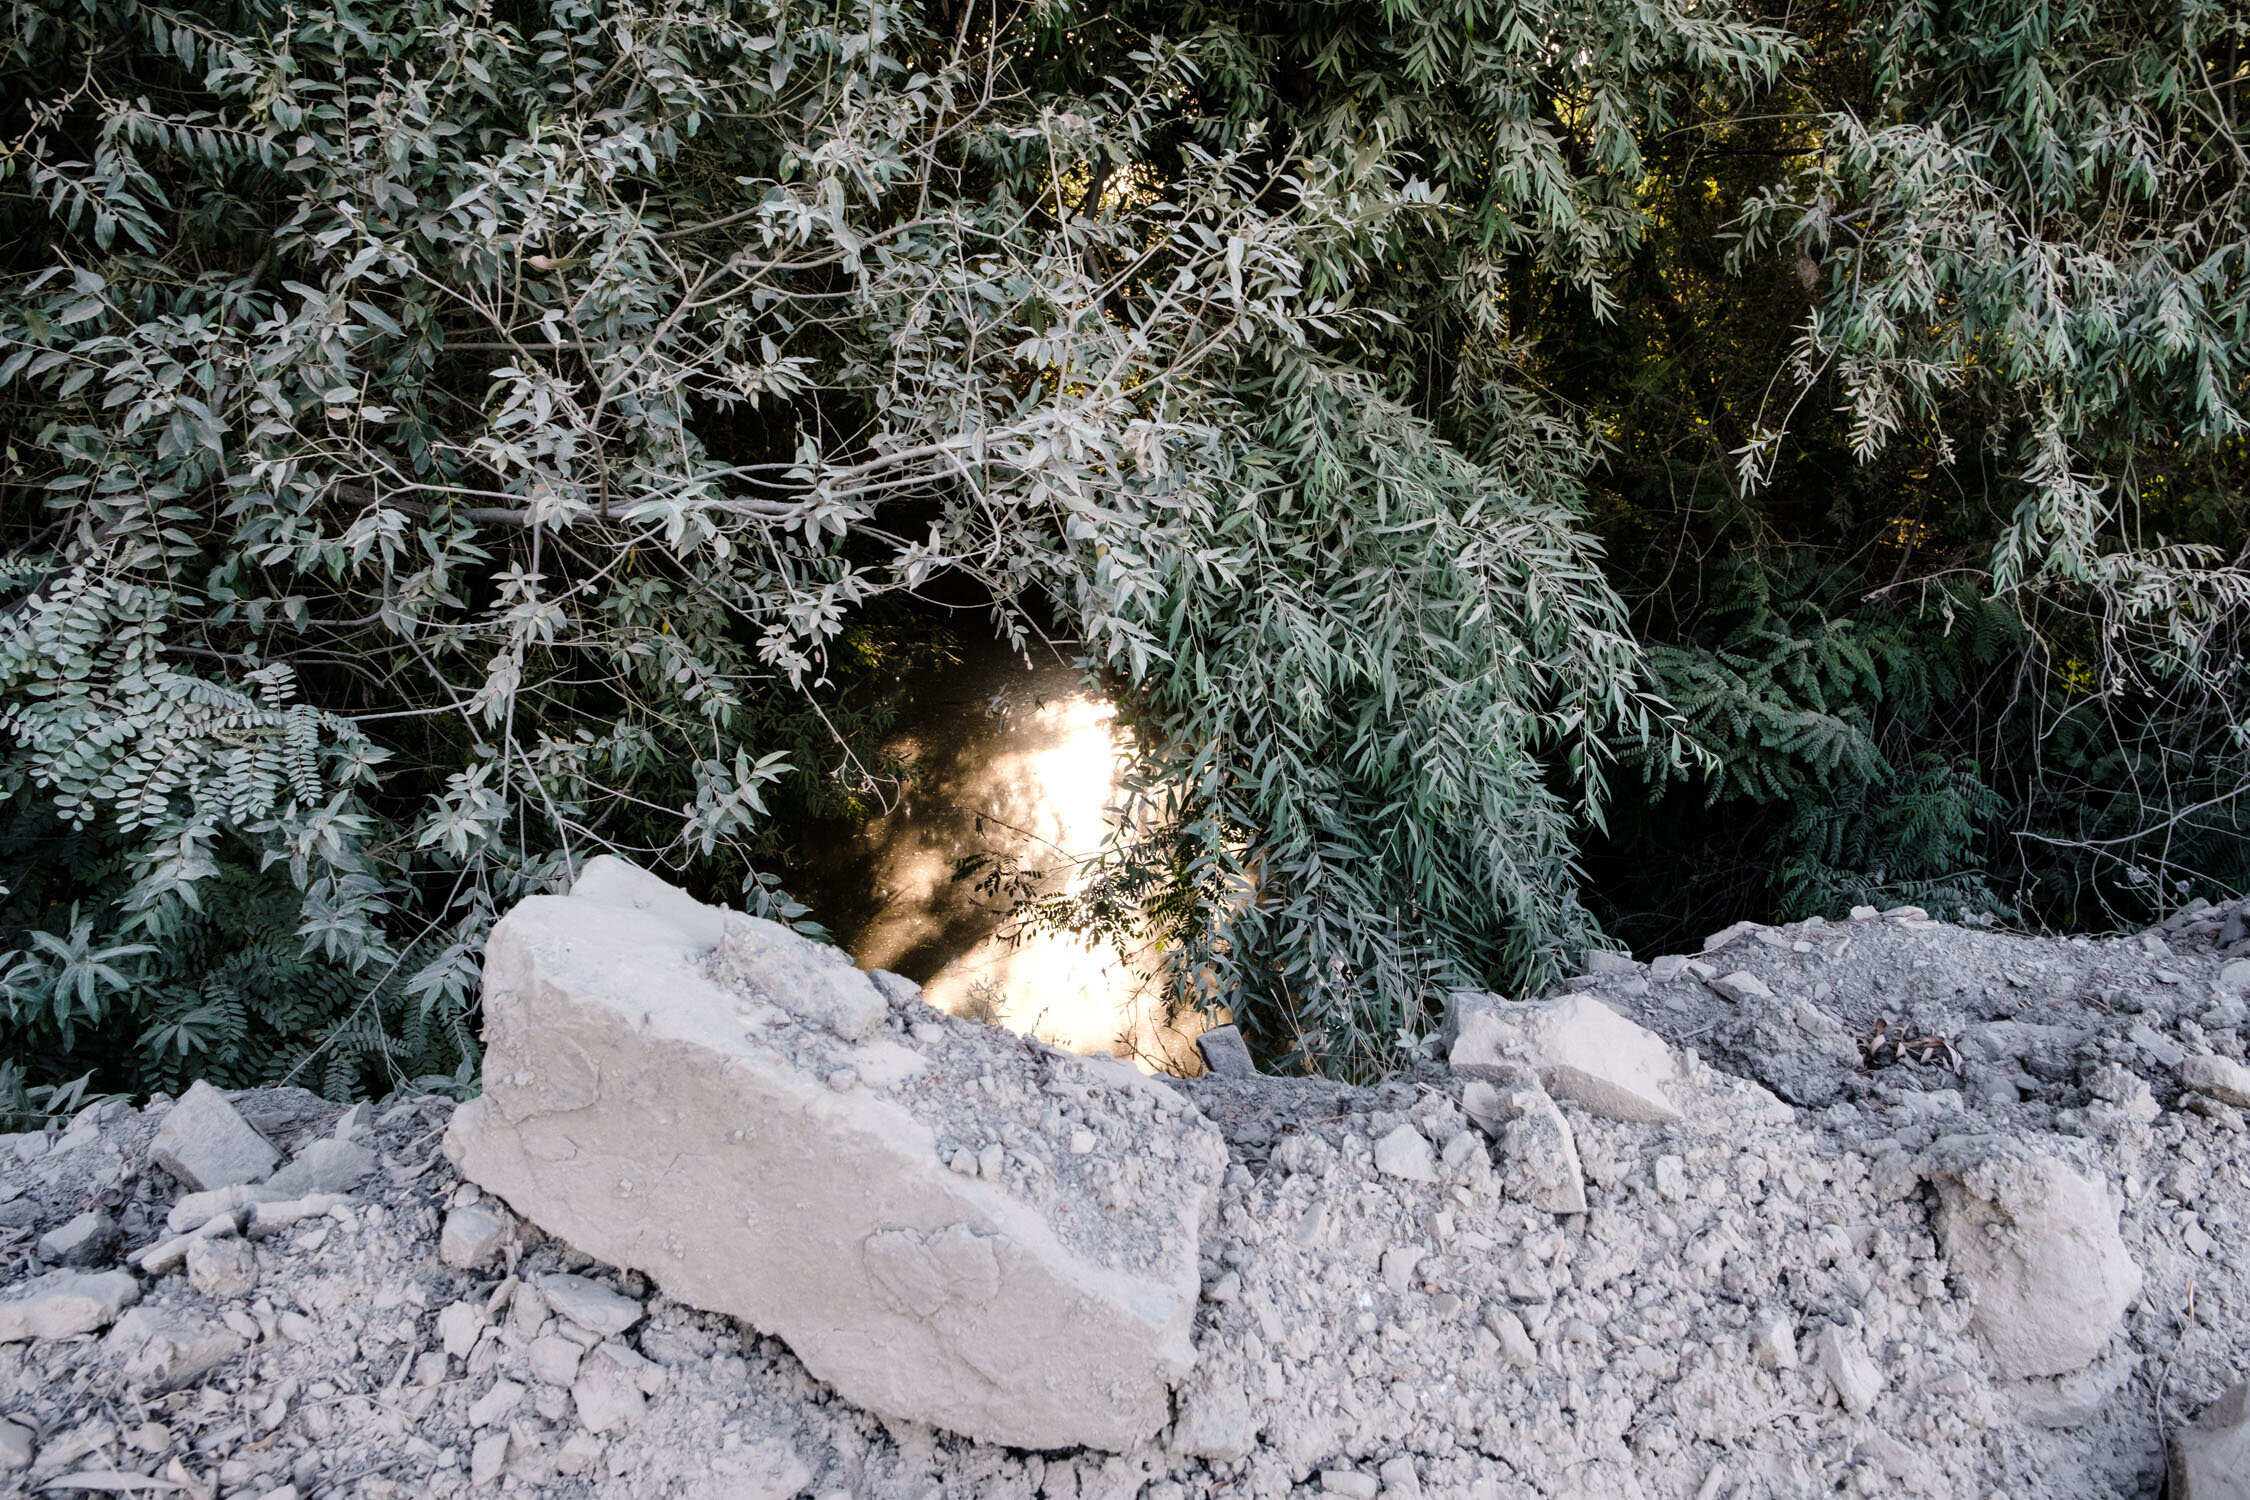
(1525, 470)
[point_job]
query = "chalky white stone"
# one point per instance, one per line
(1043, 1308)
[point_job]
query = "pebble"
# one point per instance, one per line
(16, 1447)
(472, 1238)
(1348, 1482)
(1405, 1153)
(589, 1304)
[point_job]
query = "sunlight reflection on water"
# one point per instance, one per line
(1014, 764)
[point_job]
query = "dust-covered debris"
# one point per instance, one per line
(1761, 1298)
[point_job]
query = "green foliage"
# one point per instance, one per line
(443, 442)
(447, 442)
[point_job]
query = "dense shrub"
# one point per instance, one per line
(445, 440)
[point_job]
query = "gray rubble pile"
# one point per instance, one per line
(1870, 1207)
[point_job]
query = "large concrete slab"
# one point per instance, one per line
(908, 1200)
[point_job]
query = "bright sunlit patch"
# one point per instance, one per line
(1055, 781)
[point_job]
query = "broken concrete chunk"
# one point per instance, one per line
(324, 1166)
(1741, 985)
(1845, 1363)
(1516, 1346)
(87, 1240)
(2222, 1078)
(2210, 1457)
(488, 1456)
(1225, 1053)
(198, 1209)
(206, 1145)
(607, 1396)
(222, 1267)
(1773, 1341)
(554, 1360)
(589, 1304)
(472, 1237)
(458, 1325)
(1606, 961)
(1480, 1101)
(1541, 1165)
(1580, 1049)
(1215, 1423)
(1405, 1153)
(496, 1404)
(1044, 1309)
(63, 1304)
(2037, 1242)
(164, 1351)
(1667, 968)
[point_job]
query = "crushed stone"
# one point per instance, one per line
(1758, 1300)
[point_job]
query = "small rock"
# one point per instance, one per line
(1580, 1049)
(1606, 961)
(163, 1351)
(606, 1395)
(1398, 1266)
(1726, 935)
(1225, 1053)
(1848, 1368)
(87, 1240)
(1773, 1341)
(16, 1448)
(2166, 1051)
(554, 1360)
(2222, 1078)
(1542, 1156)
(472, 1237)
(488, 1458)
(1405, 1153)
(1516, 1346)
(222, 1267)
(205, 1144)
(580, 1452)
(589, 1304)
(325, 1166)
(458, 1325)
(198, 1209)
(1400, 1482)
(1348, 1482)
(2236, 975)
(63, 1304)
(495, 1405)
(1741, 985)
(2210, 1457)
(1667, 968)
(1215, 1423)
